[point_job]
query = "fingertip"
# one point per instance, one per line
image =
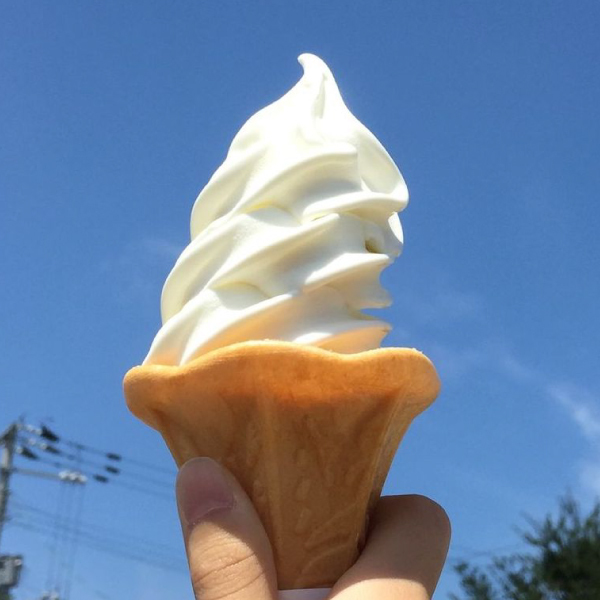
(201, 488)
(425, 513)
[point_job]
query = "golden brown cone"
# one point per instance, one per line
(310, 434)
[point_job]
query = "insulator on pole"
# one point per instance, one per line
(48, 434)
(31, 428)
(27, 453)
(72, 477)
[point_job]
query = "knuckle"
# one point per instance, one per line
(223, 569)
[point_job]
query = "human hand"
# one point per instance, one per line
(230, 556)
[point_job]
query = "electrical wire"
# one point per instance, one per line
(150, 480)
(145, 465)
(47, 434)
(116, 480)
(108, 547)
(116, 543)
(63, 540)
(99, 533)
(95, 592)
(65, 528)
(50, 577)
(74, 541)
(104, 468)
(94, 528)
(142, 490)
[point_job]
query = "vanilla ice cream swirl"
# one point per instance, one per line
(289, 236)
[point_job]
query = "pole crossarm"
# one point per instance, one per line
(66, 476)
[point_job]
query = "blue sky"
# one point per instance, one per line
(114, 115)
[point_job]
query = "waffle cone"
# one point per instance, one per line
(310, 434)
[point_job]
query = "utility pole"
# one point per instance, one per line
(10, 566)
(11, 444)
(8, 441)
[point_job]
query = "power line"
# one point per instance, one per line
(71, 552)
(97, 593)
(97, 533)
(146, 479)
(142, 490)
(144, 465)
(109, 475)
(117, 544)
(108, 547)
(63, 541)
(107, 469)
(75, 464)
(47, 434)
(68, 476)
(112, 480)
(112, 534)
(143, 552)
(50, 576)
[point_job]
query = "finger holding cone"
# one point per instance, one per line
(228, 551)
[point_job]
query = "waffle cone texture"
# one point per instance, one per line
(310, 435)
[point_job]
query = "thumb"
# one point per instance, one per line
(228, 551)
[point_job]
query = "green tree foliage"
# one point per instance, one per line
(563, 562)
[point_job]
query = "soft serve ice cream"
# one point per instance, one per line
(289, 236)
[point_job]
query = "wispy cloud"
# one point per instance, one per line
(589, 475)
(139, 268)
(447, 305)
(490, 352)
(455, 361)
(455, 358)
(484, 484)
(582, 407)
(516, 369)
(580, 404)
